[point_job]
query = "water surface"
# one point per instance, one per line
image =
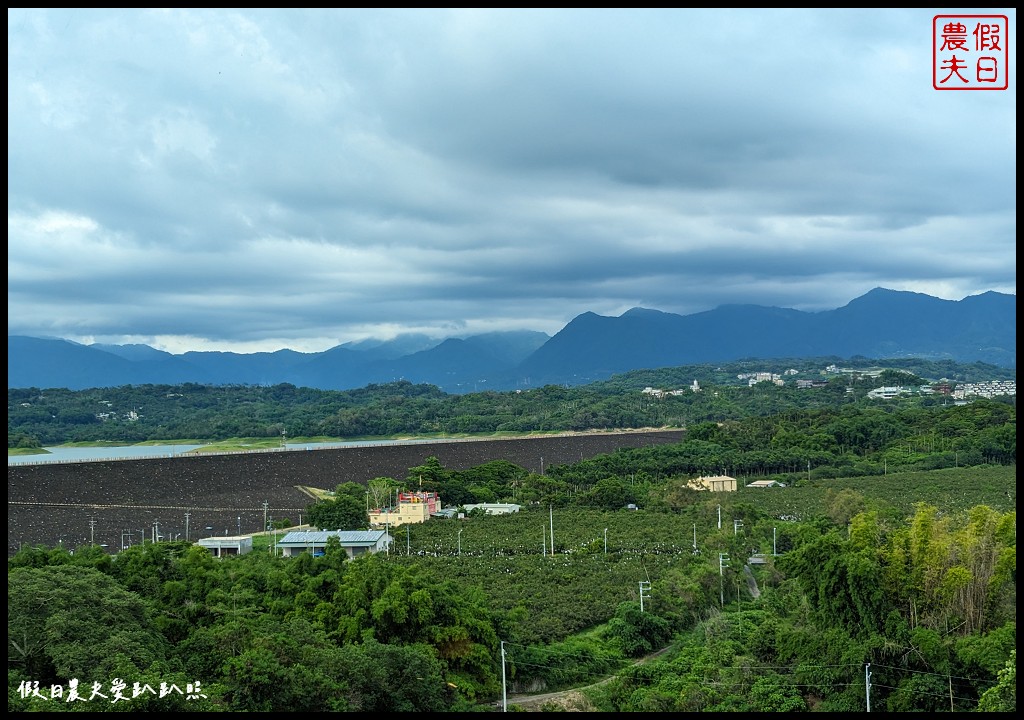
(136, 452)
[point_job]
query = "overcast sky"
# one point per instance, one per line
(252, 180)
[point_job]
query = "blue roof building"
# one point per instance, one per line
(353, 542)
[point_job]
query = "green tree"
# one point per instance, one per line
(608, 494)
(1002, 697)
(381, 492)
(352, 489)
(76, 622)
(387, 678)
(773, 693)
(842, 505)
(343, 513)
(636, 632)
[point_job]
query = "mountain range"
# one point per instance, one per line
(880, 324)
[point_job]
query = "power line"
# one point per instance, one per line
(944, 696)
(925, 672)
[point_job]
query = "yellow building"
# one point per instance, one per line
(412, 507)
(716, 483)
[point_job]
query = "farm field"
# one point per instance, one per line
(951, 489)
(74, 504)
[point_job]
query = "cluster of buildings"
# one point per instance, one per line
(410, 508)
(805, 384)
(654, 392)
(856, 373)
(725, 483)
(889, 392)
(988, 389)
(759, 377)
(353, 542)
(418, 507)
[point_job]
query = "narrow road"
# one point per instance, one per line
(570, 698)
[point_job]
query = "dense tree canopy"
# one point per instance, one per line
(344, 512)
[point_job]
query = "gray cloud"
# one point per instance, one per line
(258, 179)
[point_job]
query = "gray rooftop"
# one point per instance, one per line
(319, 537)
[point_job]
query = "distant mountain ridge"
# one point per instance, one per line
(880, 324)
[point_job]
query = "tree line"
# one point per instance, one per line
(926, 600)
(155, 413)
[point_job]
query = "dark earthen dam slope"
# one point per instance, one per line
(112, 503)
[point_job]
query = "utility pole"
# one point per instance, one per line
(867, 684)
(187, 515)
(719, 517)
(722, 564)
(408, 547)
(645, 585)
(551, 513)
(606, 541)
(265, 506)
(774, 545)
(504, 692)
(92, 531)
(736, 525)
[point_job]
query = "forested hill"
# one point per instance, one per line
(670, 397)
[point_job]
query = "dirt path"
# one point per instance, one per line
(572, 699)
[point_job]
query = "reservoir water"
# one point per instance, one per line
(137, 452)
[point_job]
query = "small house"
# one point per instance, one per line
(227, 545)
(493, 508)
(715, 483)
(353, 542)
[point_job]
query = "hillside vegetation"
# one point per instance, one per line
(555, 597)
(167, 413)
(882, 570)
